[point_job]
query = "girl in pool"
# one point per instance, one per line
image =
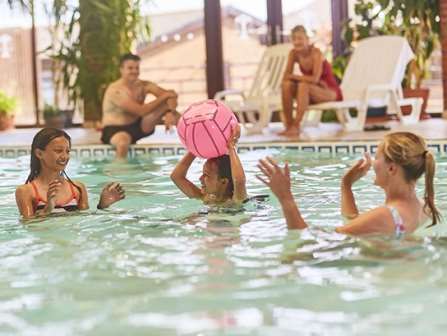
(223, 178)
(316, 84)
(48, 188)
(401, 159)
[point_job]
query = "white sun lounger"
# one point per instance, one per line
(373, 78)
(264, 96)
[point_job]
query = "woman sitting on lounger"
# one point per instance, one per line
(316, 84)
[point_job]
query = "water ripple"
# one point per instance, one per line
(154, 265)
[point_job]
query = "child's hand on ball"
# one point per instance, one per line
(235, 135)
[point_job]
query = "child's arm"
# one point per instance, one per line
(83, 196)
(237, 171)
(24, 200)
(111, 193)
(278, 180)
(178, 176)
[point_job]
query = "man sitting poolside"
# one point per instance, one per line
(126, 117)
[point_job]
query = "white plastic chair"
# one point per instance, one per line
(373, 78)
(264, 96)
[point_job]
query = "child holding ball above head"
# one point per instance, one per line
(401, 159)
(222, 180)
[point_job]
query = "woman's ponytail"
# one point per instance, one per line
(429, 195)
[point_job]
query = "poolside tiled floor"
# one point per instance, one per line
(432, 129)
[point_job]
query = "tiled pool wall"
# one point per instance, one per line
(92, 151)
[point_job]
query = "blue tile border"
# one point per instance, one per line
(373, 149)
(342, 149)
(242, 149)
(436, 148)
(139, 150)
(309, 148)
(359, 149)
(168, 151)
(325, 149)
(154, 150)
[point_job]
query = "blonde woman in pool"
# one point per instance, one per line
(401, 159)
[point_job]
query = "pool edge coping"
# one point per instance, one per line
(331, 147)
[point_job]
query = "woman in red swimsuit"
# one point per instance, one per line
(48, 188)
(317, 83)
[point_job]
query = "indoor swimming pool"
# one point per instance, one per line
(155, 264)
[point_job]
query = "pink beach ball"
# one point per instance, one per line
(205, 127)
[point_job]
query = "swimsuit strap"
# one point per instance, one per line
(398, 222)
(36, 192)
(73, 192)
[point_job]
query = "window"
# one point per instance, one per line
(174, 58)
(244, 33)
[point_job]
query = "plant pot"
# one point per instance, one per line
(377, 115)
(6, 121)
(56, 121)
(416, 93)
(68, 117)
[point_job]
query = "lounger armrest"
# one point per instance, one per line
(221, 95)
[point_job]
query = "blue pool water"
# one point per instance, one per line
(152, 265)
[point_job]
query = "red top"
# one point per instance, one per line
(40, 202)
(328, 77)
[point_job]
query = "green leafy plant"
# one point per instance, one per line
(98, 33)
(7, 104)
(420, 25)
(339, 65)
(417, 21)
(51, 111)
(94, 35)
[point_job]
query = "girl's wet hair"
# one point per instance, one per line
(41, 141)
(224, 171)
(409, 151)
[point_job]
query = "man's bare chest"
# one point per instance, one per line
(137, 93)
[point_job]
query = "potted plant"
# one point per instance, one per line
(417, 21)
(95, 35)
(7, 111)
(53, 117)
(68, 116)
